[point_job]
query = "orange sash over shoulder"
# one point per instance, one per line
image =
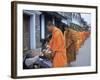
(57, 44)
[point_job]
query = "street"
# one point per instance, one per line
(83, 57)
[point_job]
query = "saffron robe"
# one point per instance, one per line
(57, 44)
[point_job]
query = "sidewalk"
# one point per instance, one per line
(84, 56)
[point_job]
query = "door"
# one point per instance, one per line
(26, 32)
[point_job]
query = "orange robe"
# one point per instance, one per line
(57, 44)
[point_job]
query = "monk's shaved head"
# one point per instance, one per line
(50, 26)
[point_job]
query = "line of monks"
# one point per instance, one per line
(74, 40)
(65, 47)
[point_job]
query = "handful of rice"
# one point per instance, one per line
(48, 53)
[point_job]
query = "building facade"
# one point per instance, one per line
(35, 25)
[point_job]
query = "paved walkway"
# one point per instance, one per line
(84, 55)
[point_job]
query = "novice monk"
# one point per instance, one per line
(57, 44)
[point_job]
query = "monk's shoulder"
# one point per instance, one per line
(57, 33)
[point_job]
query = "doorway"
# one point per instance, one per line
(26, 31)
